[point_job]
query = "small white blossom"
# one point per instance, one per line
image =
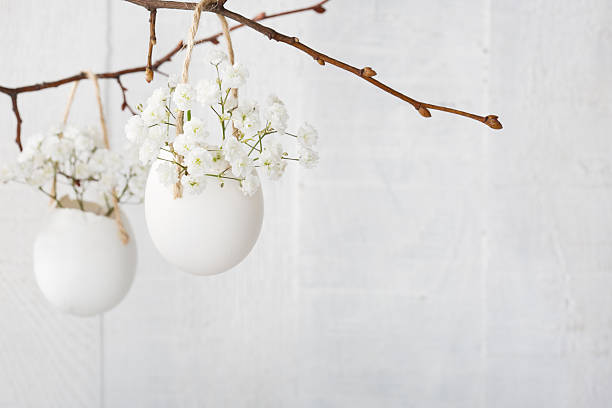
(198, 161)
(83, 144)
(193, 185)
(40, 176)
(195, 128)
(7, 173)
(276, 114)
(159, 98)
(216, 56)
(172, 81)
(308, 157)
(250, 184)
(135, 129)
(83, 171)
(183, 97)
(56, 149)
(184, 143)
(234, 76)
(154, 115)
(208, 93)
(246, 117)
(242, 166)
(137, 184)
(272, 161)
(151, 145)
(167, 174)
(233, 150)
(307, 136)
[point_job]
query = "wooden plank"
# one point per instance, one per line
(47, 359)
(548, 205)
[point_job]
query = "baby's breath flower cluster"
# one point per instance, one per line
(249, 137)
(76, 160)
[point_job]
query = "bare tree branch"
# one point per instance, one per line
(116, 75)
(366, 73)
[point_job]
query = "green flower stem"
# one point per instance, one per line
(54, 198)
(173, 162)
(223, 177)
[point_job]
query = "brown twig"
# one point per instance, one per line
(125, 103)
(366, 73)
(152, 42)
(116, 75)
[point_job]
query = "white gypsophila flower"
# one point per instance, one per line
(272, 161)
(31, 155)
(159, 97)
(276, 114)
(307, 136)
(246, 116)
(193, 185)
(216, 56)
(219, 163)
(108, 181)
(195, 128)
(181, 144)
(208, 93)
(234, 76)
(148, 151)
(7, 173)
(151, 145)
(40, 175)
(112, 161)
(198, 161)
(57, 149)
(233, 150)
(242, 166)
(70, 132)
(31, 150)
(129, 154)
(184, 143)
(135, 129)
(83, 144)
(167, 174)
(94, 134)
(97, 161)
(83, 171)
(250, 184)
(308, 157)
(183, 97)
(136, 185)
(172, 81)
(154, 115)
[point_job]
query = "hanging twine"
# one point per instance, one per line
(52, 200)
(197, 12)
(123, 235)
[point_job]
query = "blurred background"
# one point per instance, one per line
(423, 263)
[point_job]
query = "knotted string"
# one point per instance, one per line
(197, 12)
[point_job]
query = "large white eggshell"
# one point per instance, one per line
(203, 234)
(80, 263)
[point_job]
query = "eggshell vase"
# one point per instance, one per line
(203, 234)
(81, 265)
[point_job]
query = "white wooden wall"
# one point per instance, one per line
(425, 263)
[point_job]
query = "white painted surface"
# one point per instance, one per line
(425, 263)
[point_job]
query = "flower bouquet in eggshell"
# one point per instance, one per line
(84, 254)
(203, 201)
